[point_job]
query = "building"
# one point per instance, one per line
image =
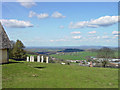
(4, 45)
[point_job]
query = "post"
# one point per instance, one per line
(42, 59)
(30, 58)
(46, 59)
(38, 58)
(33, 58)
(27, 59)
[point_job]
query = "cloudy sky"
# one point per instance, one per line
(62, 23)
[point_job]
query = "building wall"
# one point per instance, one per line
(0, 56)
(4, 56)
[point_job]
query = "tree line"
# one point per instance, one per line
(105, 53)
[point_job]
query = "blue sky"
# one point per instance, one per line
(61, 24)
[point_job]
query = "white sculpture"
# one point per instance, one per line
(46, 59)
(42, 59)
(27, 59)
(30, 58)
(38, 58)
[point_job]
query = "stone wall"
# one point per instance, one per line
(4, 56)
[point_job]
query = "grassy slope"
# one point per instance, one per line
(24, 75)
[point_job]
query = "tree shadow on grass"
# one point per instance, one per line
(11, 62)
(39, 67)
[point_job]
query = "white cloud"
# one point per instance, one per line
(31, 14)
(98, 37)
(59, 40)
(61, 27)
(77, 37)
(116, 35)
(105, 21)
(78, 24)
(51, 40)
(107, 40)
(76, 32)
(115, 32)
(94, 37)
(46, 15)
(92, 32)
(40, 16)
(13, 23)
(57, 15)
(95, 23)
(27, 3)
(105, 37)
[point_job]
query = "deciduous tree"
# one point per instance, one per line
(105, 53)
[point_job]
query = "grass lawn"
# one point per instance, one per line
(25, 75)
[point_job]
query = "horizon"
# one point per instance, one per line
(67, 46)
(60, 24)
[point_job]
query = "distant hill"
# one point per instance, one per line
(60, 48)
(71, 50)
(88, 47)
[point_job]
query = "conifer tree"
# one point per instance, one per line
(18, 51)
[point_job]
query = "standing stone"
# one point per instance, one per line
(38, 58)
(42, 59)
(46, 59)
(27, 59)
(30, 58)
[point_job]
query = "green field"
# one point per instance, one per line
(75, 55)
(42, 75)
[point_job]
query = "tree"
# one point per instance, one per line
(18, 51)
(104, 63)
(11, 49)
(105, 53)
(88, 58)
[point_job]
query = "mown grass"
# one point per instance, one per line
(25, 75)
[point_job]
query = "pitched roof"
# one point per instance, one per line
(4, 40)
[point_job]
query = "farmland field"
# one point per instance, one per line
(42, 75)
(75, 55)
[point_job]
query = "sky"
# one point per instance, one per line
(61, 23)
